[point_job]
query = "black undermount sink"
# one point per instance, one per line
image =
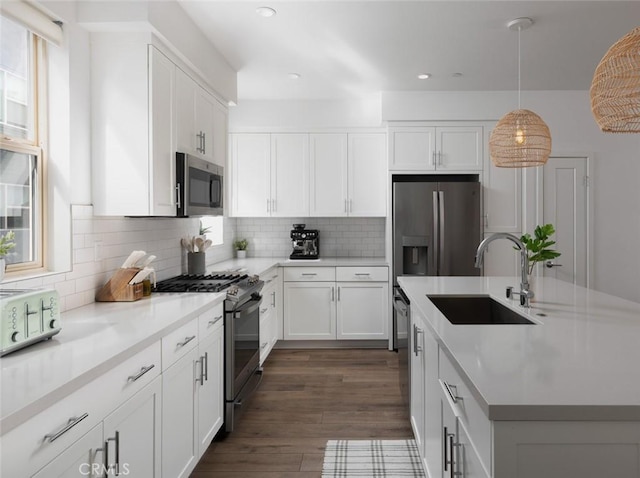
(475, 310)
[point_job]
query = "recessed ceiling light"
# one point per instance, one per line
(456, 75)
(424, 76)
(265, 12)
(294, 76)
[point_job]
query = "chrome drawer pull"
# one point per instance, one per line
(366, 274)
(309, 274)
(73, 421)
(455, 396)
(262, 311)
(143, 370)
(205, 366)
(185, 341)
(215, 320)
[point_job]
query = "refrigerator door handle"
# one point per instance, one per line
(436, 233)
(441, 262)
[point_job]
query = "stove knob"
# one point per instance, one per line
(53, 324)
(15, 337)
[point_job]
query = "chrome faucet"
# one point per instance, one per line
(525, 294)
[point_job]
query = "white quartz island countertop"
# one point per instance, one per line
(580, 361)
(97, 337)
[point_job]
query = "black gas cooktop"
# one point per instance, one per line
(216, 282)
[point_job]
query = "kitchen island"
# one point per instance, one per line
(559, 397)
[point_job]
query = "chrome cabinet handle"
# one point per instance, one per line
(345, 206)
(338, 294)
(262, 311)
(333, 294)
(550, 264)
(73, 421)
(434, 157)
(200, 379)
(115, 438)
(204, 143)
(215, 320)
(185, 341)
(268, 205)
(454, 396)
(206, 366)
(416, 348)
(178, 203)
(273, 299)
(362, 274)
(143, 370)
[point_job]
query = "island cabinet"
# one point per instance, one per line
(456, 437)
(426, 147)
(270, 175)
(329, 303)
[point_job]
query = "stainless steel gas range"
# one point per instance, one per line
(242, 331)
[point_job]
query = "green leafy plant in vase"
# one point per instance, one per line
(6, 244)
(240, 246)
(538, 246)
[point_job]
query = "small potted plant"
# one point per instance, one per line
(6, 244)
(240, 246)
(538, 246)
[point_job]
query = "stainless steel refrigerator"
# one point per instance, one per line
(436, 225)
(436, 231)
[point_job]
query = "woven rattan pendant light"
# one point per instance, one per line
(521, 138)
(615, 89)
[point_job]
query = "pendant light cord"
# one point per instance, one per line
(519, 31)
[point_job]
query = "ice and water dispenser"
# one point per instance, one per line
(414, 255)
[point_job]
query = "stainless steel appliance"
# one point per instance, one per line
(199, 187)
(241, 329)
(436, 230)
(305, 242)
(28, 316)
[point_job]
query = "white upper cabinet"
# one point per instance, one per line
(289, 175)
(348, 174)
(133, 88)
(195, 118)
(251, 175)
(328, 183)
(270, 174)
(367, 174)
(435, 148)
(220, 133)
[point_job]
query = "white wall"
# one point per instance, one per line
(615, 165)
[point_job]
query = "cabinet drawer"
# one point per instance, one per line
(371, 274)
(179, 342)
(471, 415)
(210, 320)
(314, 274)
(43, 437)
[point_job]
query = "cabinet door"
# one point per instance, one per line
(417, 373)
(328, 181)
(265, 331)
(179, 442)
(432, 417)
(185, 113)
(220, 129)
(163, 164)
(132, 433)
(85, 458)
(309, 311)
(250, 157)
(204, 121)
(459, 148)
(362, 310)
(467, 461)
(289, 175)
(412, 148)
(367, 175)
(210, 389)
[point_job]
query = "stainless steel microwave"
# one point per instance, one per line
(199, 187)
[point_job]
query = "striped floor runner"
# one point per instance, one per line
(371, 458)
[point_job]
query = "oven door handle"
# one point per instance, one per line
(247, 309)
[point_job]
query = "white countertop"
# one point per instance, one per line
(579, 362)
(98, 336)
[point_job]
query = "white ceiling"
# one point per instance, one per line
(351, 49)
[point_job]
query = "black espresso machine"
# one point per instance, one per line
(305, 242)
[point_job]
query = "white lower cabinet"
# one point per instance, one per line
(192, 394)
(317, 307)
(270, 313)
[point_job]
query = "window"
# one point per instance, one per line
(21, 152)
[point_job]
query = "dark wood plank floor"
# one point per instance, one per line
(306, 398)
